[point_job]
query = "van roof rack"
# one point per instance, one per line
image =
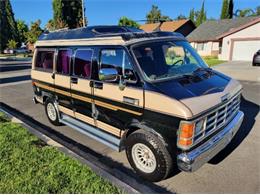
(127, 33)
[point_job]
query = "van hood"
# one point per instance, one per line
(200, 91)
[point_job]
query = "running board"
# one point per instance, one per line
(91, 131)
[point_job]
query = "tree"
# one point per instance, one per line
(12, 44)
(124, 21)
(22, 30)
(224, 10)
(230, 9)
(67, 14)
(57, 21)
(50, 25)
(258, 11)
(192, 15)
(8, 29)
(154, 15)
(181, 17)
(34, 32)
(244, 13)
(201, 16)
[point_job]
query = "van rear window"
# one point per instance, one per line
(44, 60)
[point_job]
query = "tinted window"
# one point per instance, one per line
(44, 60)
(118, 59)
(63, 61)
(82, 65)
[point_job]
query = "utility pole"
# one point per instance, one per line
(83, 14)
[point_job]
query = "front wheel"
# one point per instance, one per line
(148, 156)
(52, 112)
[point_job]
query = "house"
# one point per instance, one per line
(228, 39)
(184, 27)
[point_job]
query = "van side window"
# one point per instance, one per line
(44, 60)
(82, 63)
(118, 59)
(63, 61)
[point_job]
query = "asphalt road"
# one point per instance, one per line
(234, 170)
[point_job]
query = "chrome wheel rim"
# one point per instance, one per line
(51, 112)
(143, 158)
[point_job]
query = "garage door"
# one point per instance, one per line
(244, 50)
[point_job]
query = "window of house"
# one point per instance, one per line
(44, 60)
(200, 46)
(63, 61)
(220, 47)
(82, 63)
(118, 59)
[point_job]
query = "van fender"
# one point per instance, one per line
(46, 95)
(134, 126)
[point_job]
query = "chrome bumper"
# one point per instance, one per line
(193, 160)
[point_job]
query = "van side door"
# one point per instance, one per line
(80, 85)
(117, 102)
(62, 79)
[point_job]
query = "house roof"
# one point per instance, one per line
(149, 27)
(166, 26)
(215, 29)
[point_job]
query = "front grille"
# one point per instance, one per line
(219, 118)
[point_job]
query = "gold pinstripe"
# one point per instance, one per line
(79, 97)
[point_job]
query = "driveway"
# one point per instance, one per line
(240, 70)
(234, 170)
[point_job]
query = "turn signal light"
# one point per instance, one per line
(186, 133)
(186, 130)
(183, 142)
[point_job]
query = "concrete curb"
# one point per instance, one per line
(118, 178)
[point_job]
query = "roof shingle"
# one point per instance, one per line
(211, 30)
(166, 26)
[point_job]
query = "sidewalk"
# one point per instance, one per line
(15, 60)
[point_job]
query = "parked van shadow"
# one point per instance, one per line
(250, 110)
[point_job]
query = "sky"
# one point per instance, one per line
(108, 12)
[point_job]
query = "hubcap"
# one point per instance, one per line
(51, 111)
(143, 158)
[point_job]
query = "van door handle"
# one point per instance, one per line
(130, 100)
(74, 80)
(96, 85)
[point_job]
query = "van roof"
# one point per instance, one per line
(99, 35)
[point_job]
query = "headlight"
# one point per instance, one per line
(199, 127)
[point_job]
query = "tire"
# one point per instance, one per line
(51, 112)
(155, 163)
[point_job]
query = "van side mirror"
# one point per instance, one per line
(108, 74)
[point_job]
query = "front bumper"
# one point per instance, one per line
(193, 160)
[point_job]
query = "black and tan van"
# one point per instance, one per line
(149, 94)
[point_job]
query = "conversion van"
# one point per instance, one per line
(149, 94)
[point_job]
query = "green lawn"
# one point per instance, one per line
(28, 165)
(212, 61)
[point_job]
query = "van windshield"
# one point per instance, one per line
(167, 59)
